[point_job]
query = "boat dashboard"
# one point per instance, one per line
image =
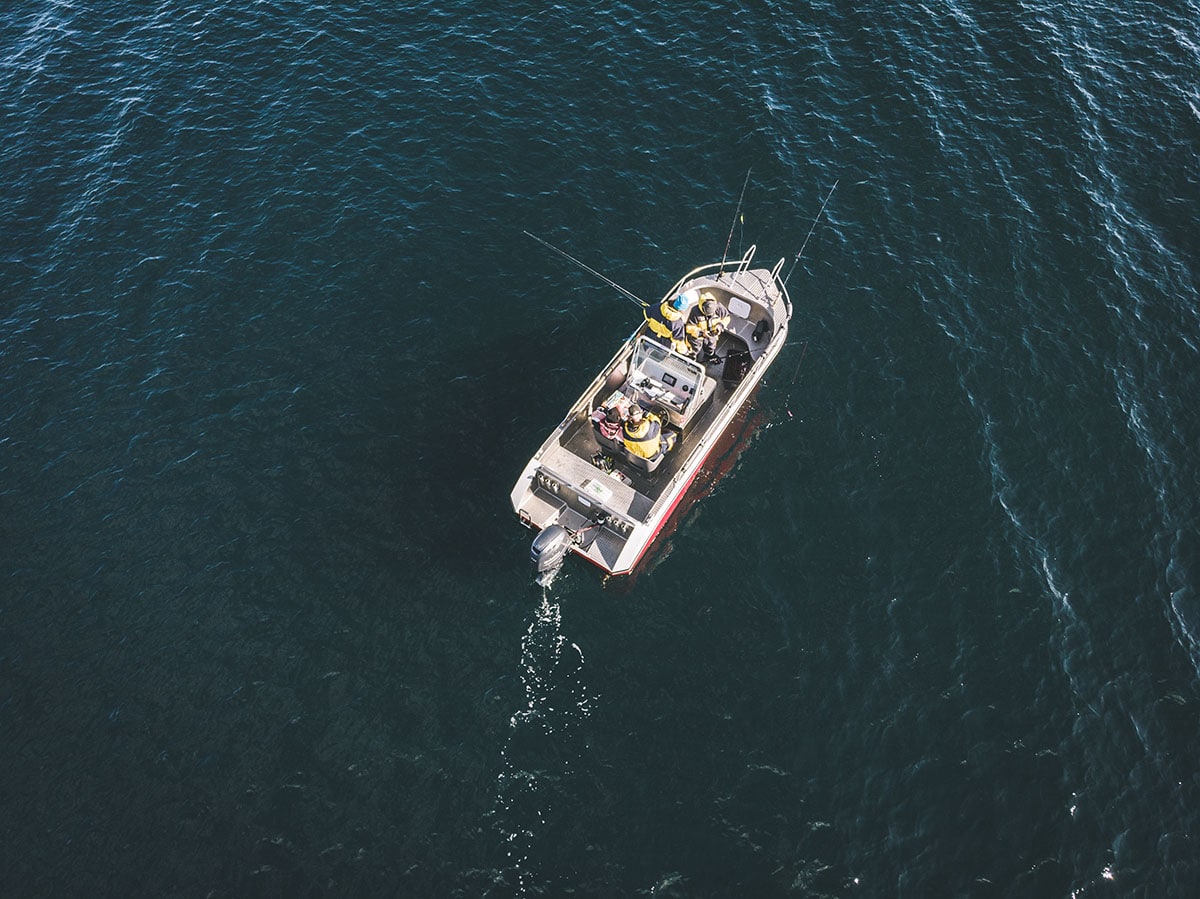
(664, 377)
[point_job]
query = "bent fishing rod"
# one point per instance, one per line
(812, 228)
(613, 284)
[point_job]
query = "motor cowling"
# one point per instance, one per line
(549, 549)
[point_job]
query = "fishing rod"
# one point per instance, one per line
(812, 228)
(613, 284)
(736, 214)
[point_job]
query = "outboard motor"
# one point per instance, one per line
(549, 549)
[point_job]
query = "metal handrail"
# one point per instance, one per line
(742, 265)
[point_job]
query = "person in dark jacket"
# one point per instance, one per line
(705, 326)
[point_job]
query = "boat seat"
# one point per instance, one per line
(643, 464)
(607, 442)
(622, 454)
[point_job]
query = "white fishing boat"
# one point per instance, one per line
(586, 493)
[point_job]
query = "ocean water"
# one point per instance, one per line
(274, 348)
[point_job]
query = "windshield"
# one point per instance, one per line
(679, 375)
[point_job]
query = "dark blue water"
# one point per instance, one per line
(273, 350)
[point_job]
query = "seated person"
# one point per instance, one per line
(645, 435)
(610, 425)
(668, 323)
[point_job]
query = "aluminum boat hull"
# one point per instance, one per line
(614, 516)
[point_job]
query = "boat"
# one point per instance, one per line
(586, 494)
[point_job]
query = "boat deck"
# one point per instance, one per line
(578, 444)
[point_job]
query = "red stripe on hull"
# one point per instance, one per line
(727, 449)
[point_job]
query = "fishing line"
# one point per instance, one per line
(787, 401)
(812, 228)
(613, 284)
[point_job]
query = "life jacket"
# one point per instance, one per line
(700, 325)
(644, 439)
(669, 325)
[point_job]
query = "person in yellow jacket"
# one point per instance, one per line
(668, 323)
(644, 433)
(705, 326)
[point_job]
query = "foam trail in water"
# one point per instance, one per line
(534, 763)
